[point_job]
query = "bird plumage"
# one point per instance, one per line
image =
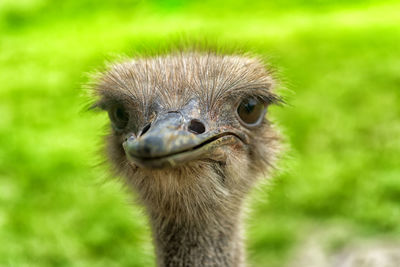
(195, 208)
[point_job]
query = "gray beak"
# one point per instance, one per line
(172, 139)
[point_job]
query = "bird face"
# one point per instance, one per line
(174, 137)
(177, 110)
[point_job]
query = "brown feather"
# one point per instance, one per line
(195, 209)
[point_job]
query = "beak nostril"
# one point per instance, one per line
(145, 129)
(196, 127)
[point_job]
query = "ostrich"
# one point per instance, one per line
(190, 136)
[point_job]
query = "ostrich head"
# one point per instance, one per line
(190, 135)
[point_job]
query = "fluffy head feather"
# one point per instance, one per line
(203, 189)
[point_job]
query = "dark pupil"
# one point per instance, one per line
(119, 118)
(251, 110)
(250, 105)
(121, 114)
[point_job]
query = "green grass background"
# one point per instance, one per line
(340, 61)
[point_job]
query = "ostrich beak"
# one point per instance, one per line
(174, 138)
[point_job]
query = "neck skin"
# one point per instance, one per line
(195, 213)
(198, 242)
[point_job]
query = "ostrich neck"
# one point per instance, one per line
(214, 241)
(195, 214)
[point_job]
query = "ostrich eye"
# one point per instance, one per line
(251, 111)
(119, 117)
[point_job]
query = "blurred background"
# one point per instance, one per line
(339, 182)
